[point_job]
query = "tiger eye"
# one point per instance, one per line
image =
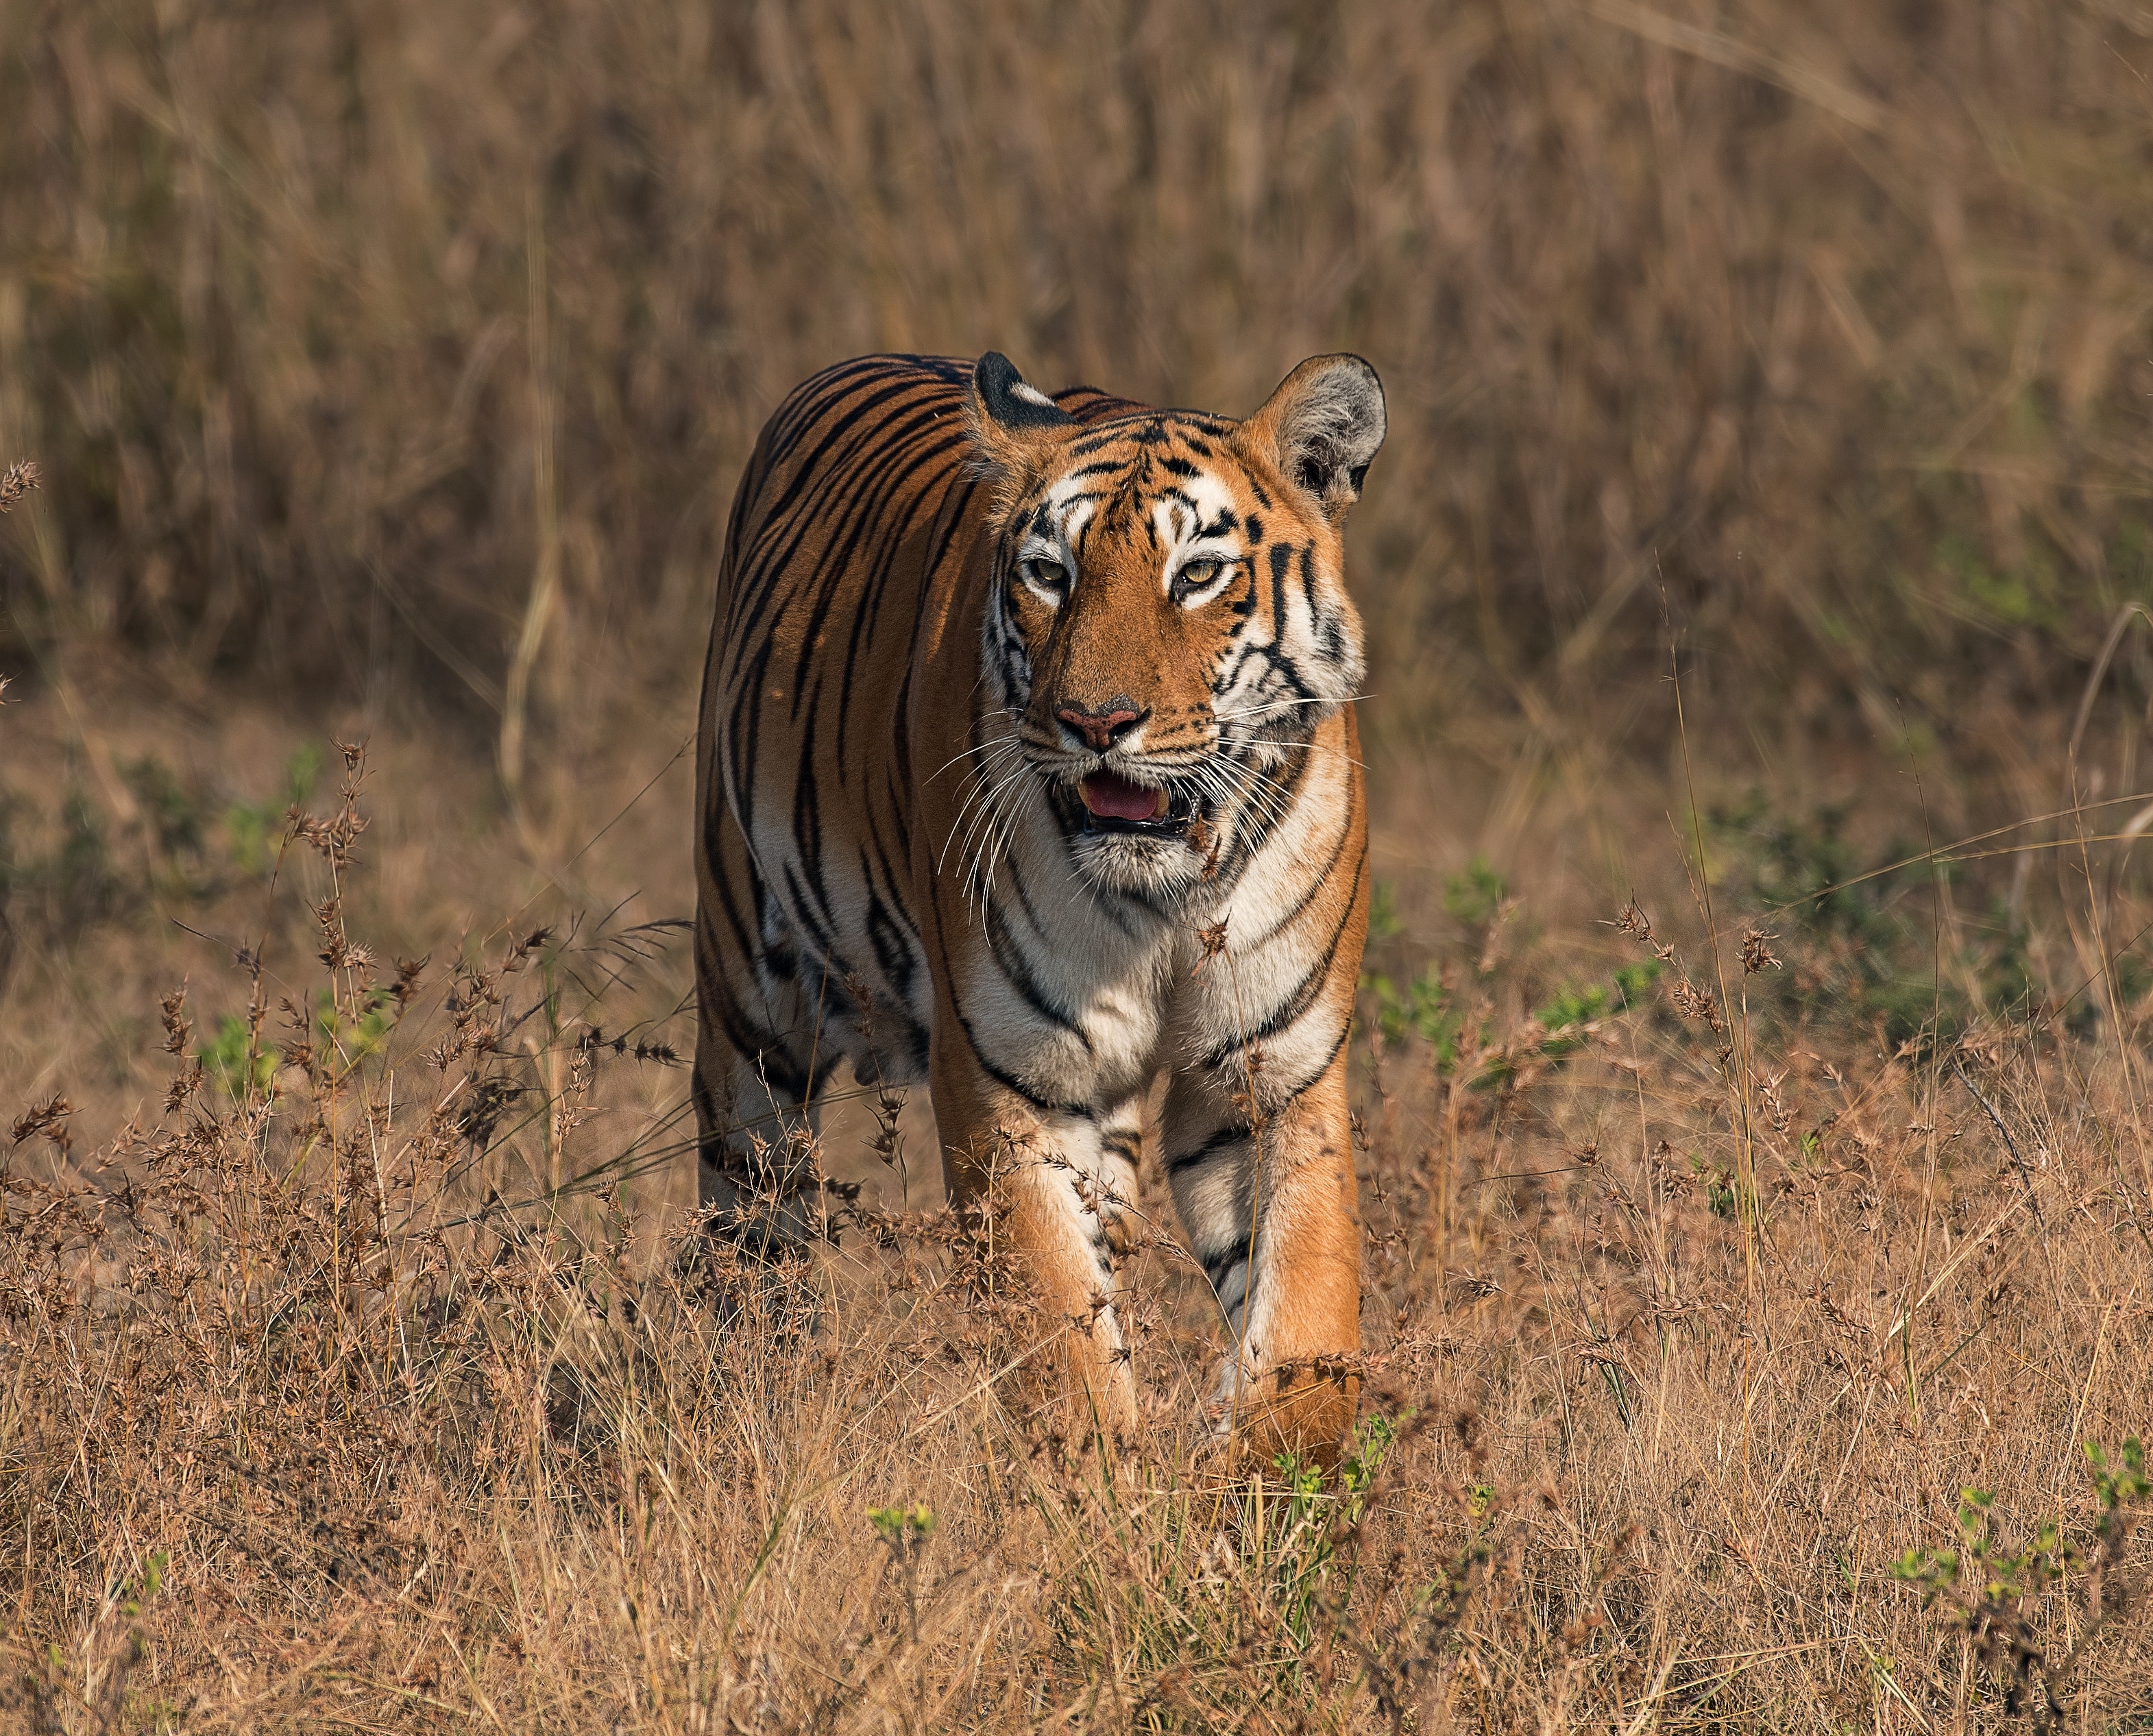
(1048, 574)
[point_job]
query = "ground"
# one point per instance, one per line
(1701, 1281)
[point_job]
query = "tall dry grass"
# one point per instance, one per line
(367, 1380)
(412, 348)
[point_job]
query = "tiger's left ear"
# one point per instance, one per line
(1323, 427)
(1012, 422)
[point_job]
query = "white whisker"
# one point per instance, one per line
(1259, 790)
(978, 780)
(992, 824)
(999, 711)
(1265, 708)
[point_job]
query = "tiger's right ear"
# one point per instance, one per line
(1012, 422)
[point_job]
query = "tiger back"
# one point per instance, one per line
(1027, 768)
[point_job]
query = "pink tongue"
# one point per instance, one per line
(1116, 798)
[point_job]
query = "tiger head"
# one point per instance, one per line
(1167, 624)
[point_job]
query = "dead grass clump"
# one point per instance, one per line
(361, 1383)
(409, 350)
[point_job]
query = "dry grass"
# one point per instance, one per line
(368, 345)
(387, 369)
(388, 1391)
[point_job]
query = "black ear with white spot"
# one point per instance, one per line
(1017, 429)
(1005, 400)
(1323, 426)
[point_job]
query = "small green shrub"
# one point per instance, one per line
(1864, 936)
(1996, 1592)
(1314, 1565)
(235, 1060)
(252, 830)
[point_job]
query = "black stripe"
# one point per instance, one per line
(1221, 1140)
(1316, 882)
(1297, 1002)
(868, 492)
(892, 953)
(1252, 829)
(1344, 1030)
(1017, 970)
(1010, 1082)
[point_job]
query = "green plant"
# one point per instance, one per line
(84, 884)
(1722, 1191)
(1313, 1545)
(172, 813)
(358, 1028)
(1865, 936)
(1425, 1008)
(237, 1060)
(1431, 1006)
(1996, 1591)
(1567, 1015)
(902, 1527)
(905, 1531)
(1476, 897)
(254, 829)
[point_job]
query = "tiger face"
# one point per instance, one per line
(1168, 623)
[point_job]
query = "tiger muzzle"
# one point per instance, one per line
(1100, 730)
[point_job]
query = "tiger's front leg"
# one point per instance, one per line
(1060, 1180)
(1268, 1200)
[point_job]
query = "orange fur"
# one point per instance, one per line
(1028, 767)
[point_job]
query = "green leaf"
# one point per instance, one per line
(225, 1057)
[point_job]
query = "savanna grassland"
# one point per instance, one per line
(1752, 1079)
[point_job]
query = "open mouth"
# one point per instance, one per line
(1115, 803)
(1108, 795)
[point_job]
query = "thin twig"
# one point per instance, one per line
(2010, 1145)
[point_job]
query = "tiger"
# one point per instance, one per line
(1027, 768)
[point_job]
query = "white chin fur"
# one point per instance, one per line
(1124, 863)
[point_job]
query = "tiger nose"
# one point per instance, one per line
(1099, 730)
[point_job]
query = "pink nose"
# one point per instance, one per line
(1100, 729)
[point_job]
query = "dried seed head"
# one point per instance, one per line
(408, 973)
(178, 1033)
(1203, 836)
(1692, 1002)
(49, 1119)
(22, 476)
(1773, 1104)
(860, 993)
(1757, 953)
(184, 1085)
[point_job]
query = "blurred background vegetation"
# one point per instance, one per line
(390, 366)
(402, 355)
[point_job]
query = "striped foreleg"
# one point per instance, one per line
(1268, 1206)
(1060, 1195)
(759, 1066)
